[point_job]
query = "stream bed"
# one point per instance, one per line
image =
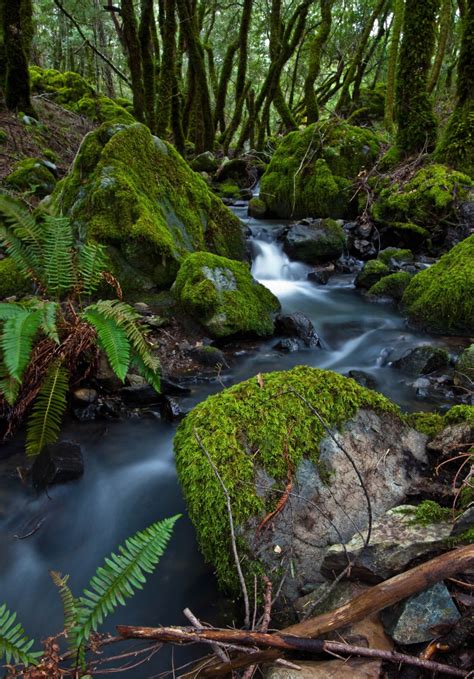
(130, 478)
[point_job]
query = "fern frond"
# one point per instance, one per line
(48, 319)
(13, 642)
(44, 422)
(121, 575)
(9, 387)
(92, 262)
(67, 598)
(112, 339)
(17, 341)
(21, 235)
(58, 261)
(151, 376)
(10, 310)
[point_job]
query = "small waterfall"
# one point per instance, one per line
(270, 263)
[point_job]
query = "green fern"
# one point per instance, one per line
(58, 261)
(151, 376)
(17, 340)
(44, 422)
(120, 576)
(22, 236)
(10, 388)
(67, 598)
(49, 312)
(92, 262)
(112, 339)
(13, 642)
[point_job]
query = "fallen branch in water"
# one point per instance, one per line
(282, 642)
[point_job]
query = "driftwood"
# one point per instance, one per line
(300, 635)
(282, 642)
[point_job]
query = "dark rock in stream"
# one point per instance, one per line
(140, 395)
(363, 378)
(287, 345)
(170, 409)
(57, 463)
(322, 274)
(315, 240)
(297, 325)
(422, 360)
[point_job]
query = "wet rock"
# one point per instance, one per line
(208, 356)
(246, 194)
(84, 396)
(87, 414)
(139, 395)
(297, 325)
(57, 463)
(205, 162)
(363, 378)
(454, 437)
(322, 274)
(105, 376)
(236, 170)
(421, 386)
(464, 522)
(170, 409)
(371, 273)
(411, 621)
(422, 360)
(464, 372)
(287, 346)
(257, 208)
(395, 542)
(318, 240)
(135, 380)
(171, 388)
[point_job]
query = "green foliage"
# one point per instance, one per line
(68, 601)
(12, 281)
(120, 576)
(441, 298)
(396, 254)
(57, 255)
(371, 273)
(44, 422)
(249, 428)
(429, 512)
(392, 286)
(14, 645)
(430, 424)
(460, 413)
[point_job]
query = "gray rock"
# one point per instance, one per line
(394, 543)
(208, 355)
(170, 409)
(363, 378)
(464, 522)
(105, 376)
(85, 396)
(57, 463)
(297, 325)
(288, 345)
(318, 240)
(464, 373)
(139, 395)
(451, 438)
(422, 360)
(410, 621)
(321, 275)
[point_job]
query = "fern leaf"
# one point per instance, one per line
(92, 263)
(58, 262)
(112, 339)
(48, 320)
(67, 598)
(21, 235)
(17, 341)
(9, 387)
(13, 642)
(10, 310)
(121, 575)
(151, 376)
(44, 422)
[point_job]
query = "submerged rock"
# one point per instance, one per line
(136, 194)
(260, 434)
(57, 463)
(297, 325)
(422, 360)
(315, 240)
(222, 295)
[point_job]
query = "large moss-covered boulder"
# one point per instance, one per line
(441, 299)
(392, 286)
(267, 440)
(421, 208)
(32, 175)
(75, 93)
(312, 171)
(316, 240)
(135, 193)
(224, 297)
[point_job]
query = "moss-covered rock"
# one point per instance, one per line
(392, 286)
(441, 299)
(32, 175)
(228, 189)
(318, 240)
(371, 273)
(397, 255)
(433, 424)
(312, 171)
(257, 208)
(370, 106)
(422, 207)
(75, 93)
(134, 192)
(258, 434)
(224, 297)
(464, 373)
(12, 282)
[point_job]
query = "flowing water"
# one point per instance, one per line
(130, 479)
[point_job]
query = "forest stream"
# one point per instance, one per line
(130, 478)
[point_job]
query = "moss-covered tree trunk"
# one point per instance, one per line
(414, 113)
(145, 34)
(132, 45)
(224, 78)
(398, 8)
(168, 66)
(316, 47)
(17, 22)
(444, 30)
(457, 144)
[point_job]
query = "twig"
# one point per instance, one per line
(232, 531)
(197, 624)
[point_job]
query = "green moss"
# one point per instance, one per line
(441, 298)
(312, 170)
(427, 513)
(257, 208)
(430, 424)
(391, 286)
(465, 538)
(12, 282)
(224, 297)
(229, 189)
(250, 427)
(134, 192)
(32, 175)
(396, 254)
(460, 413)
(371, 273)
(424, 203)
(370, 106)
(464, 374)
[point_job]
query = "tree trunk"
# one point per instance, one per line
(132, 44)
(416, 120)
(314, 66)
(147, 20)
(221, 97)
(17, 32)
(167, 80)
(444, 29)
(398, 9)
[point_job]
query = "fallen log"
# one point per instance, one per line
(282, 642)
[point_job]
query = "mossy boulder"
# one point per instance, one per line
(257, 208)
(421, 208)
(313, 241)
(32, 175)
(312, 171)
(224, 297)
(395, 256)
(261, 434)
(392, 286)
(371, 273)
(441, 299)
(464, 373)
(75, 93)
(135, 193)
(12, 281)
